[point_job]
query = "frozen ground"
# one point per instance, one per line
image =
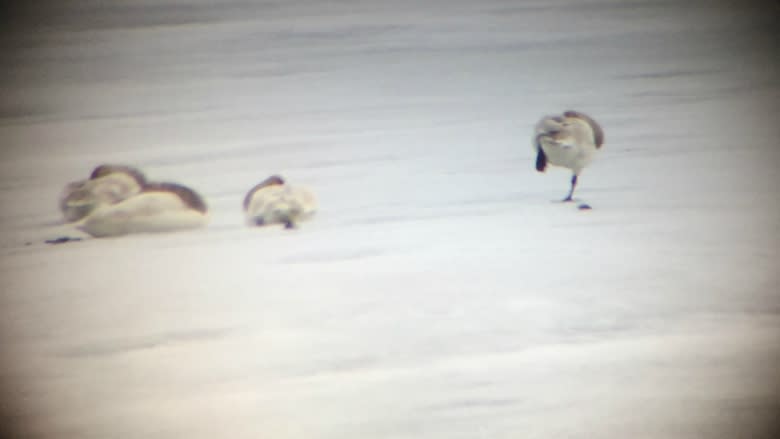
(440, 293)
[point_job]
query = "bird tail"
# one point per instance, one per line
(541, 157)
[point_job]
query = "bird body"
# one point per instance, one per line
(108, 184)
(274, 202)
(569, 140)
(158, 208)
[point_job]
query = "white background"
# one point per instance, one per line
(440, 292)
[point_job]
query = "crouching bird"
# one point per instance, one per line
(160, 207)
(108, 184)
(273, 201)
(569, 140)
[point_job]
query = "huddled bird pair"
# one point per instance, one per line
(118, 199)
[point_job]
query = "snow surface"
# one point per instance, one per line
(440, 292)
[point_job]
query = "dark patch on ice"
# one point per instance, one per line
(124, 345)
(62, 240)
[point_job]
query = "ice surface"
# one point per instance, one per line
(440, 292)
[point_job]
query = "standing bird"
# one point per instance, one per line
(272, 201)
(570, 141)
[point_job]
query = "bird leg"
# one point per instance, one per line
(573, 185)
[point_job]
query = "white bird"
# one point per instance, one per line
(272, 201)
(159, 207)
(108, 184)
(569, 140)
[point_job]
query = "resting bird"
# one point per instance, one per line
(272, 201)
(569, 140)
(108, 184)
(158, 208)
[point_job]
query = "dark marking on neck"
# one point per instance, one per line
(105, 169)
(273, 180)
(598, 133)
(187, 195)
